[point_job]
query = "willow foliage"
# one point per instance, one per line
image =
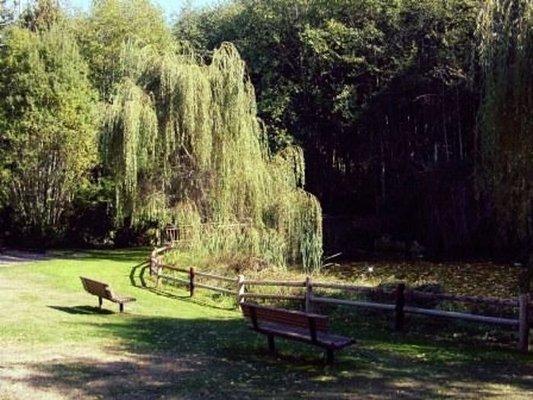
(185, 144)
(505, 29)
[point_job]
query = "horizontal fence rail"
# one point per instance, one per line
(217, 277)
(270, 296)
(463, 316)
(174, 279)
(345, 286)
(354, 303)
(214, 288)
(462, 299)
(275, 283)
(397, 297)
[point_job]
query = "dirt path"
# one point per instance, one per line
(77, 372)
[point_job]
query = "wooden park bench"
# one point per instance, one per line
(103, 291)
(294, 325)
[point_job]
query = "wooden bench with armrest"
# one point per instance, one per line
(294, 325)
(103, 291)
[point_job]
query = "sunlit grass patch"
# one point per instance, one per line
(54, 341)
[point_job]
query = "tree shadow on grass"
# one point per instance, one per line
(199, 300)
(81, 310)
(137, 274)
(138, 279)
(221, 359)
(131, 255)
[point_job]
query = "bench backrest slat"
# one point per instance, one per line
(97, 288)
(300, 319)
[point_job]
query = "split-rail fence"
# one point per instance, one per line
(398, 305)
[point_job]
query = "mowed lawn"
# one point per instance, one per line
(55, 344)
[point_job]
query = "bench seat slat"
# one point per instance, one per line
(324, 339)
(288, 317)
(118, 299)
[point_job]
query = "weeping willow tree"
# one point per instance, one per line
(506, 114)
(185, 145)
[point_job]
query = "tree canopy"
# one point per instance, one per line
(48, 120)
(404, 118)
(185, 146)
(384, 98)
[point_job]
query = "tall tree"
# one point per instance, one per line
(109, 24)
(505, 35)
(48, 119)
(42, 15)
(376, 93)
(185, 146)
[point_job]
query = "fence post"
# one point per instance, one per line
(240, 290)
(523, 323)
(158, 277)
(191, 281)
(152, 262)
(400, 303)
(308, 295)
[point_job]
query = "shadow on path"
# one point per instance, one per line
(139, 254)
(180, 358)
(137, 274)
(164, 357)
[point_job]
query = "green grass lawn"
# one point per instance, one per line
(55, 344)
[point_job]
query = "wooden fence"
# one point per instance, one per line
(399, 298)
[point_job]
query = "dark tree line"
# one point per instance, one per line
(385, 99)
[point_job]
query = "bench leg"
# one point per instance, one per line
(271, 345)
(329, 356)
(121, 307)
(100, 302)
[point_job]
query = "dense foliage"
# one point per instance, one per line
(7, 12)
(384, 98)
(506, 116)
(185, 146)
(48, 122)
(103, 32)
(414, 117)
